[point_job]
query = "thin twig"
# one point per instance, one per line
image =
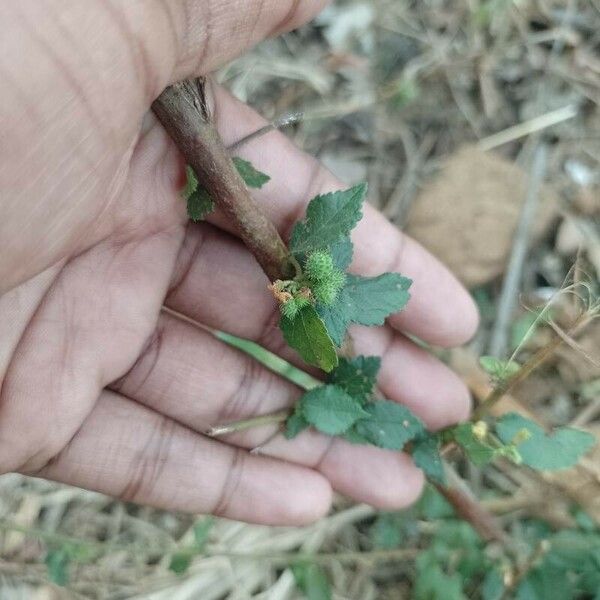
(279, 123)
(510, 287)
(533, 559)
(268, 359)
(528, 127)
(284, 558)
(470, 509)
(183, 111)
(538, 359)
(288, 558)
(268, 419)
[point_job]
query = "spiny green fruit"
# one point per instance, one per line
(293, 306)
(326, 292)
(319, 265)
(338, 279)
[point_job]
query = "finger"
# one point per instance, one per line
(145, 44)
(234, 298)
(77, 79)
(176, 375)
(172, 40)
(440, 311)
(209, 33)
(131, 452)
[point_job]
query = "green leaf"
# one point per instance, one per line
(426, 454)
(433, 584)
(492, 587)
(81, 553)
(432, 505)
(406, 91)
(499, 369)
(366, 301)
(357, 375)
(560, 450)
(523, 328)
(390, 425)
(180, 562)
(252, 177)
(341, 253)
(456, 543)
(386, 532)
(570, 569)
(312, 581)
(199, 201)
(329, 218)
(201, 532)
(575, 551)
(477, 450)
(295, 424)
(370, 300)
(306, 333)
(546, 584)
(191, 183)
(335, 320)
(199, 204)
(354, 437)
(57, 561)
(330, 409)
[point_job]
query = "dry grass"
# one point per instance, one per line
(388, 89)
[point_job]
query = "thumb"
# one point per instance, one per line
(212, 32)
(77, 78)
(132, 49)
(185, 38)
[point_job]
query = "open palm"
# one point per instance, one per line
(100, 389)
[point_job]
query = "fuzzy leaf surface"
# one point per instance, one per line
(354, 437)
(478, 451)
(191, 183)
(294, 425)
(199, 204)
(426, 454)
(499, 369)
(329, 218)
(559, 450)
(365, 301)
(252, 177)
(389, 425)
(306, 333)
(342, 252)
(357, 375)
(330, 409)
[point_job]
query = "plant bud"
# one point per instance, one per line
(338, 279)
(319, 265)
(289, 309)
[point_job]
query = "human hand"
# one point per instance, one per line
(99, 388)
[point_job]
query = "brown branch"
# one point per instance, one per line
(183, 111)
(536, 361)
(472, 511)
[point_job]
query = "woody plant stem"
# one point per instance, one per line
(184, 113)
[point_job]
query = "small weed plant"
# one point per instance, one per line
(318, 301)
(318, 305)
